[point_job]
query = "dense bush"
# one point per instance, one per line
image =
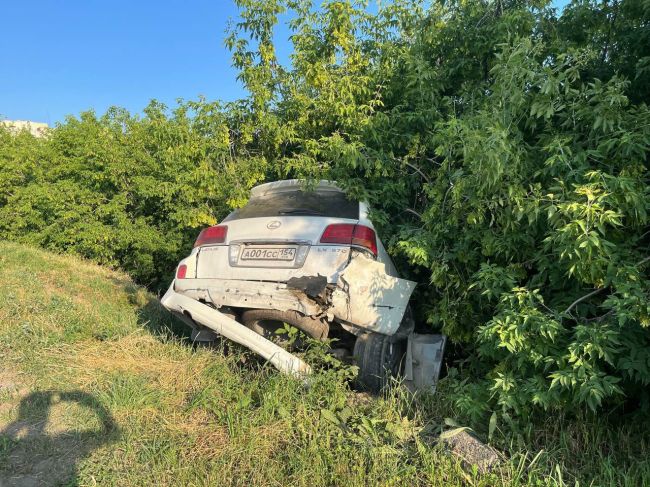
(122, 190)
(503, 147)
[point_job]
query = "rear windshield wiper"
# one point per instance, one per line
(299, 211)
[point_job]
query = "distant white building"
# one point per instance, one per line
(37, 129)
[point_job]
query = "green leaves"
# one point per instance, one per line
(123, 191)
(506, 160)
(503, 150)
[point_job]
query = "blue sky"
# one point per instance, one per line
(63, 57)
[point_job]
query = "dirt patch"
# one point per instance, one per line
(356, 399)
(9, 382)
(23, 467)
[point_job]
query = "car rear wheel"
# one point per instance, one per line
(379, 358)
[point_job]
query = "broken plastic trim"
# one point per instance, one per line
(231, 329)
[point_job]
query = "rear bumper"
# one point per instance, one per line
(191, 310)
(247, 294)
(364, 296)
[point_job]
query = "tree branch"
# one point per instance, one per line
(409, 210)
(418, 170)
(599, 318)
(581, 299)
(599, 290)
(644, 235)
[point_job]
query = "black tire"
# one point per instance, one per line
(379, 358)
(267, 321)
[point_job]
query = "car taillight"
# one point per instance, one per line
(212, 235)
(350, 234)
(365, 237)
(181, 271)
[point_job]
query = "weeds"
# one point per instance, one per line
(94, 351)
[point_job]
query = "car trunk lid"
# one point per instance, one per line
(256, 247)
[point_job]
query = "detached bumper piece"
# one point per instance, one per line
(423, 361)
(192, 311)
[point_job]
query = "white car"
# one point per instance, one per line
(308, 258)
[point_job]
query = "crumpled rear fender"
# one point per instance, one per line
(368, 298)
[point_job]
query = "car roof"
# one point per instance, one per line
(292, 185)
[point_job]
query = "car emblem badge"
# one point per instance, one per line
(274, 224)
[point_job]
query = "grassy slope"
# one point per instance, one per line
(95, 389)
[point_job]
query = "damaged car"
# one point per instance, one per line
(310, 259)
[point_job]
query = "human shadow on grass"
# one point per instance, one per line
(30, 455)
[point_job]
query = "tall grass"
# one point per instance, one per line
(99, 386)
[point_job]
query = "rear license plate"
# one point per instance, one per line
(261, 253)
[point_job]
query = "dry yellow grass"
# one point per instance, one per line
(96, 390)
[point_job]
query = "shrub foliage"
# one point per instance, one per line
(503, 146)
(123, 190)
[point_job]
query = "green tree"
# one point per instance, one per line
(504, 148)
(127, 191)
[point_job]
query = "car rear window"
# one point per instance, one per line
(299, 203)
